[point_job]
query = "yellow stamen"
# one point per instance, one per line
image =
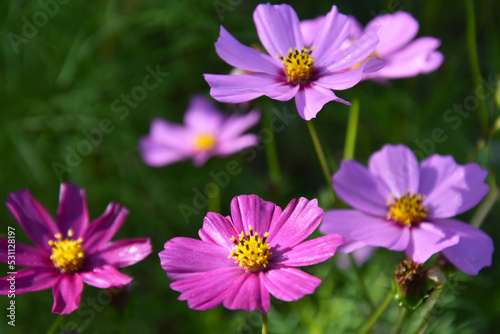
(407, 209)
(298, 65)
(204, 142)
(67, 254)
(250, 251)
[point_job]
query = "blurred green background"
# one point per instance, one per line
(61, 78)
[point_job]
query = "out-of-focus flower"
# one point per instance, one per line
(360, 256)
(206, 133)
(243, 258)
(404, 56)
(293, 67)
(68, 253)
(401, 205)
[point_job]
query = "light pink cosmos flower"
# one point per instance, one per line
(293, 68)
(404, 56)
(404, 206)
(243, 258)
(68, 253)
(206, 133)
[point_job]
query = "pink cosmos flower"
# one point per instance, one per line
(293, 68)
(243, 258)
(404, 56)
(401, 205)
(206, 133)
(68, 253)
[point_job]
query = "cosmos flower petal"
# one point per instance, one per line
(105, 277)
(202, 115)
(309, 252)
(29, 280)
(353, 55)
(365, 230)
(395, 31)
(289, 284)
(299, 219)
(184, 258)
(330, 35)
(235, 125)
(121, 253)
(398, 167)
(35, 221)
(238, 144)
(473, 251)
(278, 28)
(72, 210)
(251, 210)
(25, 256)
(309, 29)
(311, 99)
(360, 189)
(219, 230)
(156, 154)
(207, 290)
(428, 239)
(246, 87)
(241, 56)
(67, 292)
(341, 80)
(451, 189)
(248, 293)
(102, 229)
(419, 57)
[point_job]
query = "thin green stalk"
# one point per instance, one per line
(402, 319)
(321, 155)
(430, 312)
(352, 130)
(373, 320)
(55, 325)
(474, 62)
(271, 153)
(264, 323)
(486, 205)
(362, 284)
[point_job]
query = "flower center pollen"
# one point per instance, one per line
(298, 65)
(407, 209)
(67, 254)
(204, 142)
(251, 252)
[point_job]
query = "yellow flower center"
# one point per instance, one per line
(67, 254)
(204, 142)
(407, 209)
(298, 65)
(251, 252)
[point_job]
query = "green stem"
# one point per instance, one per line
(321, 155)
(474, 62)
(264, 323)
(271, 153)
(361, 282)
(486, 205)
(352, 130)
(55, 325)
(373, 320)
(430, 312)
(402, 319)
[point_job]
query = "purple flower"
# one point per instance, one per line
(403, 55)
(242, 259)
(401, 205)
(68, 253)
(206, 133)
(292, 67)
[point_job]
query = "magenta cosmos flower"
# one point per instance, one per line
(242, 259)
(404, 56)
(206, 133)
(293, 68)
(401, 205)
(70, 252)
